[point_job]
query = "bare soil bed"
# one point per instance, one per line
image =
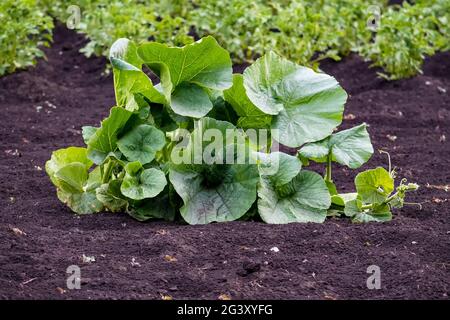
(43, 110)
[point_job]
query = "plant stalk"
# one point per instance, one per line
(108, 170)
(370, 206)
(328, 172)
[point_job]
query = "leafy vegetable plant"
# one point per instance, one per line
(24, 29)
(201, 143)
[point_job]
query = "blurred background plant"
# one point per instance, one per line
(24, 29)
(406, 35)
(305, 31)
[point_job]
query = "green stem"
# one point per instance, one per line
(108, 171)
(367, 206)
(328, 172)
(370, 206)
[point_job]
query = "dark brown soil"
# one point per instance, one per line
(44, 108)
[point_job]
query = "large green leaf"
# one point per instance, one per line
(209, 190)
(104, 140)
(81, 203)
(249, 115)
(304, 199)
(306, 106)
(87, 132)
(190, 100)
(129, 79)
(140, 183)
(374, 185)
(142, 143)
(351, 147)
(63, 157)
(188, 73)
(223, 111)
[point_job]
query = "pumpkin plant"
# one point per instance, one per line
(189, 143)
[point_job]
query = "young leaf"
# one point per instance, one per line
(379, 213)
(351, 147)
(142, 143)
(129, 79)
(76, 188)
(63, 157)
(139, 183)
(304, 199)
(192, 69)
(72, 177)
(104, 140)
(109, 194)
(342, 198)
(306, 106)
(374, 185)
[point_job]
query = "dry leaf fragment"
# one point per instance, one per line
(328, 296)
(441, 89)
(134, 263)
(224, 296)
(28, 281)
(437, 200)
(60, 290)
(87, 259)
(438, 187)
(162, 232)
(391, 137)
(349, 116)
(14, 152)
(166, 297)
(170, 258)
(18, 232)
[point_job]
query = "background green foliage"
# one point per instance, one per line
(24, 27)
(105, 21)
(304, 31)
(406, 35)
